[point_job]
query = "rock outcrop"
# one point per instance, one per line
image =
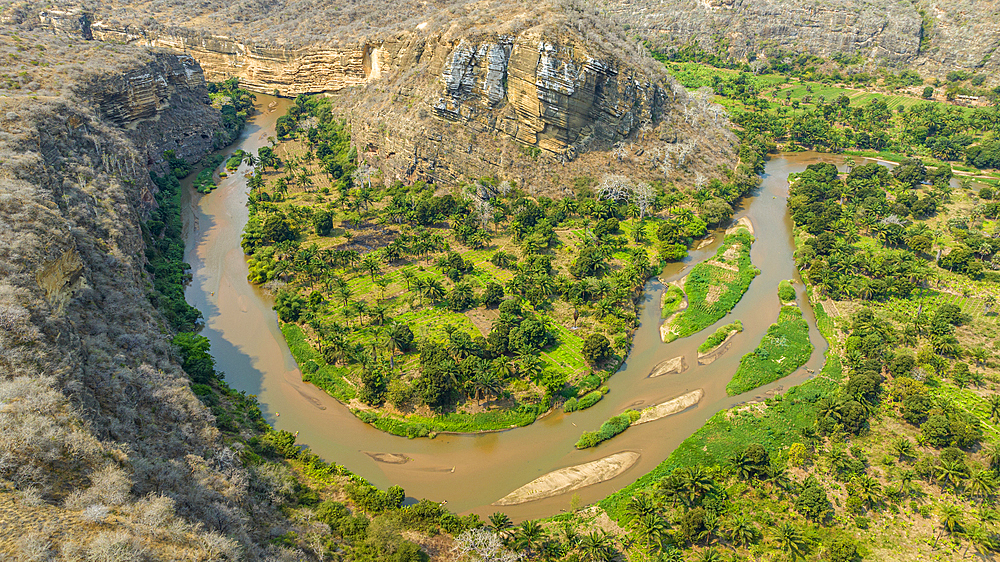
(512, 98)
(936, 36)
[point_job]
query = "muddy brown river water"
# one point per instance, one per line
(471, 472)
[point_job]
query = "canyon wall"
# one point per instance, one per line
(443, 104)
(101, 437)
(934, 36)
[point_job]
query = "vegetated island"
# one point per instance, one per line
(784, 348)
(476, 308)
(713, 287)
(716, 344)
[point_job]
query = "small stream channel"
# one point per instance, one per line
(471, 472)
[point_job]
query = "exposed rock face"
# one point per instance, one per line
(162, 105)
(443, 104)
(560, 96)
(90, 380)
(956, 34)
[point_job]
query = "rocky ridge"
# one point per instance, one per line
(444, 103)
(97, 420)
(935, 36)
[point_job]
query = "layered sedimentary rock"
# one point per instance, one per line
(443, 103)
(936, 35)
(164, 106)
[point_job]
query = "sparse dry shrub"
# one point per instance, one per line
(110, 486)
(218, 547)
(96, 513)
(153, 513)
(115, 547)
(34, 548)
(31, 496)
(71, 551)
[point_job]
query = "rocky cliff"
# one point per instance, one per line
(445, 102)
(104, 449)
(933, 35)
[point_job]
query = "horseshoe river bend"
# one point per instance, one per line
(471, 472)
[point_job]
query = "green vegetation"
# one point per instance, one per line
(472, 310)
(586, 400)
(608, 429)
(786, 292)
(719, 336)
(715, 286)
(672, 300)
(164, 240)
(795, 104)
(204, 182)
(234, 103)
(783, 349)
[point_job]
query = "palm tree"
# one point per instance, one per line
(696, 483)
(649, 529)
(994, 401)
(372, 263)
(981, 484)
(383, 283)
(742, 531)
(502, 368)
(434, 289)
(710, 555)
(951, 473)
(407, 276)
(992, 454)
(530, 536)
(951, 519)
(639, 506)
(343, 290)
(596, 547)
(790, 540)
(868, 489)
(501, 523)
(981, 539)
(903, 447)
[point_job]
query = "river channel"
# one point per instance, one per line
(471, 472)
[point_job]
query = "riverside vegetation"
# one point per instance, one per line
(474, 308)
(893, 447)
(714, 287)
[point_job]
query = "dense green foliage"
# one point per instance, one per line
(783, 349)
(786, 292)
(608, 429)
(713, 288)
(540, 268)
(234, 104)
(719, 336)
(164, 239)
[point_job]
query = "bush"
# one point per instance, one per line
(570, 405)
(596, 348)
(608, 429)
(786, 292)
(589, 400)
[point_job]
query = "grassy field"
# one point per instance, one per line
(715, 286)
(783, 349)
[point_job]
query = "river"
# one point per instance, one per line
(471, 472)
